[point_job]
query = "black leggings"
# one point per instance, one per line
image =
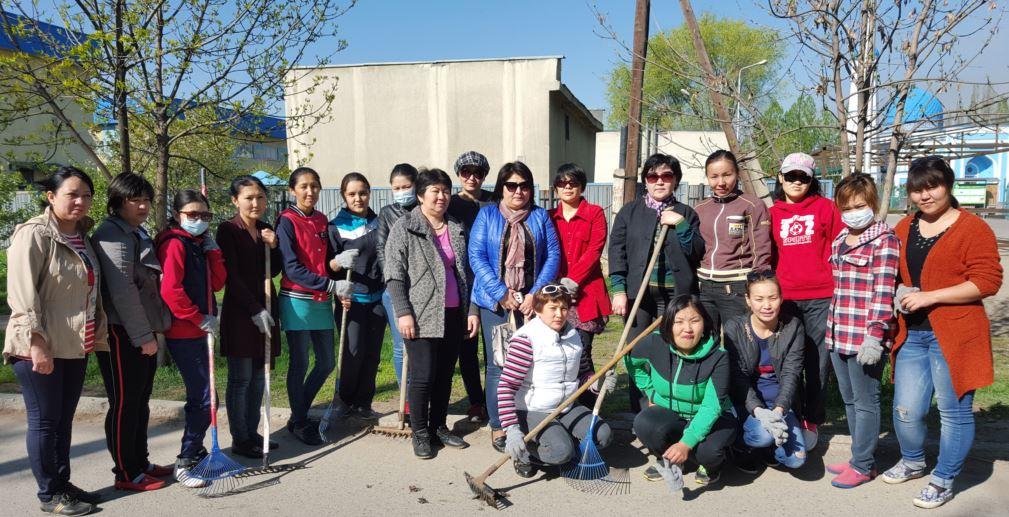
(658, 428)
(431, 366)
(469, 367)
(362, 352)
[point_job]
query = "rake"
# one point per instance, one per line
(267, 353)
(494, 498)
(216, 469)
(400, 430)
(324, 423)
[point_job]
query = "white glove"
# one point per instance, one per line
(210, 324)
(671, 474)
(901, 291)
(263, 321)
(607, 382)
(773, 423)
(346, 259)
(570, 285)
(515, 444)
(870, 352)
(341, 288)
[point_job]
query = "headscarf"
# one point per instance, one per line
(515, 254)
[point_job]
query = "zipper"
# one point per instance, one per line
(714, 252)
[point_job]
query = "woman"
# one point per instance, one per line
(306, 308)
(132, 296)
(513, 251)
(804, 224)
(426, 276)
(684, 376)
(949, 262)
(635, 232)
(354, 236)
(545, 364)
(193, 270)
(56, 321)
(737, 239)
(860, 321)
(245, 321)
(401, 179)
(766, 349)
(581, 232)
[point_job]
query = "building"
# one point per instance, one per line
(428, 113)
(691, 148)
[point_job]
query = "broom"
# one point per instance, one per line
(324, 423)
(217, 469)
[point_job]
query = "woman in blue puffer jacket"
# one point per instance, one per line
(513, 251)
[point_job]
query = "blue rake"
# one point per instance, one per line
(216, 469)
(591, 474)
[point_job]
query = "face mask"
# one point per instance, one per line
(194, 228)
(858, 219)
(405, 197)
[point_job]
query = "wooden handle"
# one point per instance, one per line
(343, 332)
(267, 352)
(402, 389)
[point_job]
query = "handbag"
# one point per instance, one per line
(500, 337)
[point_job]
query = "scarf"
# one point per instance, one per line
(659, 206)
(515, 254)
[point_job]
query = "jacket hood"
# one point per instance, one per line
(47, 221)
(800, 207)
(168, 233)
(703, 350)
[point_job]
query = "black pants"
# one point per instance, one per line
(816, 363)
(246, 384)
(723, 301)
(129, 378)
(469, 367)
(652, 306)
(431, 366)
(658, 428)
(362, 351)
(588, 398)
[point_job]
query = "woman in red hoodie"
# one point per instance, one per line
(193, 269)
(804, 224)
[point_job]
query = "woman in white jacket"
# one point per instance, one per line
(544, 365)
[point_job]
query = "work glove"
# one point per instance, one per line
(773, 423)
(209, 244)
(870, 352)
(671, 474)
(263, 321)
(570, 285)
(901, 291)
(515, 444)
(341, 288)
(210, 324)
(607, 382)
(346, 259)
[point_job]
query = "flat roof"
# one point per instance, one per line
(437, 61)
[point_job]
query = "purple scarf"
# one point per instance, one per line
(659, 206)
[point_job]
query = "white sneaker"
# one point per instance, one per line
(185, 479)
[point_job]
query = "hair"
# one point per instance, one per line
(722, 154)
(930, 172)
(127, 186)
(540, 299)
(572, 172)
(183, 198)
(507, 171)
(404, 169)
(759, 276)
(429, 178)
(298, 173)
(858, 184)
(658, 159)
(679, 303)
(56, 179)
(246, 180)
(354, 176)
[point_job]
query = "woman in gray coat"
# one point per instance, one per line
(425, 273)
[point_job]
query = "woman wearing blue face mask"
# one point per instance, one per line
(193, 270)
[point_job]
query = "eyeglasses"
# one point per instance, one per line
(205, 216)
(653, 178)
(465, 174)
(554, 289)
(512, 186)
(567, 184)
(797, 177)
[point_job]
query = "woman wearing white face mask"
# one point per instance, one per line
(860, 323)
(193, 270)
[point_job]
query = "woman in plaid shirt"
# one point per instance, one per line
(860, 324)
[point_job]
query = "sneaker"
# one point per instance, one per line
(704, 478)
(477, 414)
(67, 504)
(158, 471)
(851, 478)
(810, 433)
(422, 444)
(308, 433)
(933, 497)
(340, 411)
(142, 484)
(182, 475)
(902, 472)
(448, 439)
(259, 439)
(838, 468)
(746, 462)
(248, 449)
(366, 413)
(83, 495)
(524, 470)
(652, 474)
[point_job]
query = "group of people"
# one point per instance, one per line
(757, 307)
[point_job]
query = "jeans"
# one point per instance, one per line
(860, 386)
(397, 340)
(557, 443)
(190, 356)
(301, 391)
(723, 301)
(50, 404)
(658, 428)
(489, 320)
(816, 363)
(432, 365)
(919, 371)
(361, 354)
(791, 454)
(244, 396)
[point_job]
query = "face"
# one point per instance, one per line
(306, 191)
(931, 201)
(764, 299)
(688, 328)
(517, 192)
(471, 178)
(795, 184)
(856, 202)
(660, 182)
(722, 177)
(401, 183)
(554, 314)
(251, 202)
(434, 200)
(193, 212)
(568, 190)
(135, 210)
(71, 201)
(356, 196)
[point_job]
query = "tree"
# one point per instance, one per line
(803, 127)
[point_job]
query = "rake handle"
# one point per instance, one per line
(402, 389)
(343, 339)
(267, 352)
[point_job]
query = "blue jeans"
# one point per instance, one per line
(860, 386)
(919, 371)
(301, 391)
(754, 435)
(489, 320)
(190, 356)
(397, 340)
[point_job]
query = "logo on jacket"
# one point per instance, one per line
(797, 229)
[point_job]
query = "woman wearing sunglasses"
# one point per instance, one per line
(804, 224)
(513, 251)
(635, 231)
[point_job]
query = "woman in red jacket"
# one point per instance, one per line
(193, 270)
(804, 224)
(581, 230)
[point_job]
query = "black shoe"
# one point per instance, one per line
(769, 459)
(448, 439)
(499, 442)
(422, 445)
(83, 495)
(652, 474)
(308, 434)
(248, 449)
(259, 439)
(524, 470)
(746, 462)
(66, 504)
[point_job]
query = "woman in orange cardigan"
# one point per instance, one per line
(949, 262)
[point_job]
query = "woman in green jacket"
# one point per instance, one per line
(684, 373)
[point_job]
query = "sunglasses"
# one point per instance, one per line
(567, 184)
(512, 186)
(464, 174)
(204, 216)
(554, 289)
(797, 177)
(653, 178)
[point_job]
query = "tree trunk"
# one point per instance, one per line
(122, 112)
(633, 151)
(160, 203)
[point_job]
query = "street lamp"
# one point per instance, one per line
(739, 93)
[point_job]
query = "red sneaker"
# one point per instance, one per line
(146, 483)
(851, 478)
(158, 471)
(406, 409)
(838, 468)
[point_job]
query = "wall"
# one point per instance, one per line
(690, 147)
(572, 135)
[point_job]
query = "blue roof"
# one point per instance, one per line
(41, 39)
(269, 179)
(921, 105)
(264, 125)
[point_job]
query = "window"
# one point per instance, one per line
(567, 127)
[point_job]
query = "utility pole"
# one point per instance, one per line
(633, 151)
